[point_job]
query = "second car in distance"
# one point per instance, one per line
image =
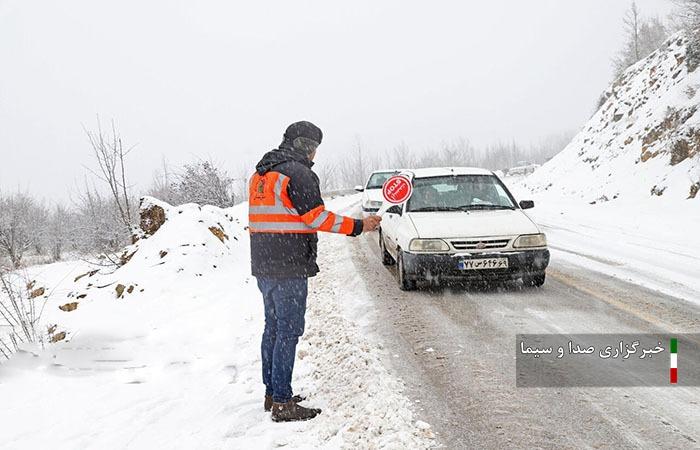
(372, 191)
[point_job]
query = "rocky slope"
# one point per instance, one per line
(643, 142)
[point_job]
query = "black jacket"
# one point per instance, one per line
(284, 255)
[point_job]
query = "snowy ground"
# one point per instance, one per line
(652, 242)
(175, 362)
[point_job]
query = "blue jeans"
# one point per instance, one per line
(285, 306)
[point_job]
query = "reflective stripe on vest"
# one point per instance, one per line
(337, 223)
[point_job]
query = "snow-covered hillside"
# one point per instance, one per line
(643, 142)
(164, 352)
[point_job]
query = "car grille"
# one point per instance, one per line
(483, 244)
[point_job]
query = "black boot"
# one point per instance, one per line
(291, 412)
(268, 401)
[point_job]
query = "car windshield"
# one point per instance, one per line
(376, 181)
(459, 193)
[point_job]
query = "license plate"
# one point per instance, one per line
(486, 263)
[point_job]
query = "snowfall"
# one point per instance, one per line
(164, 351)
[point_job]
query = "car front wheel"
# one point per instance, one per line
(405, 284)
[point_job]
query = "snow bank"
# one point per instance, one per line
(164, 353)
(643, 142)
(647, 242)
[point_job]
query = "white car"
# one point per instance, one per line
(462, 224)
(372, 198)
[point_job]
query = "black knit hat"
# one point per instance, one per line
(303, 129)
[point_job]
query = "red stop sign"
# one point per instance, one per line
(397, 189)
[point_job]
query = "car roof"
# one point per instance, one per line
(447, 171)
(386, 171)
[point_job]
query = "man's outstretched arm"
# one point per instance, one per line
(305, 194)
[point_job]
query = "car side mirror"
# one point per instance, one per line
(526, 204)
(359, 188)
(396, 209)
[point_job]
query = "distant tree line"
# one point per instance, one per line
(101, 217)
(354, 168)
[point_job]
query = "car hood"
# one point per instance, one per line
(374, 195)
(472, 223)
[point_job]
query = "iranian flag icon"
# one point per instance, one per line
(674, 360)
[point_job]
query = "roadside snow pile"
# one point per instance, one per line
(164, 352)
(377, 413)
(643, 141)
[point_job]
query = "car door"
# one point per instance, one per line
(390, 226)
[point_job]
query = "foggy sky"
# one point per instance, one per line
(222, 79)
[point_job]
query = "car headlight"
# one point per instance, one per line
(428, 245)
(530, 240)
(372, 204)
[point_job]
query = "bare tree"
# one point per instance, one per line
(98, 223)
(327, 173)
(58, 231)
(401, 157)
(629, 54)
(631, 21)
(359, 167)
(15, 228)
(109, 152)
(354, 166)
(18, 312)
(37, 222)
(642, 37)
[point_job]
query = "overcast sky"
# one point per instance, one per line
(222, 79)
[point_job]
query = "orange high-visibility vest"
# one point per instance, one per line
(271, 210)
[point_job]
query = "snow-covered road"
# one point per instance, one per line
(454, 347)
(655, 247)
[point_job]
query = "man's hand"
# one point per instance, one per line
(370, 223)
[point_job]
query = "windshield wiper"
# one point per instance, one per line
(484, 206)
(436, 208)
